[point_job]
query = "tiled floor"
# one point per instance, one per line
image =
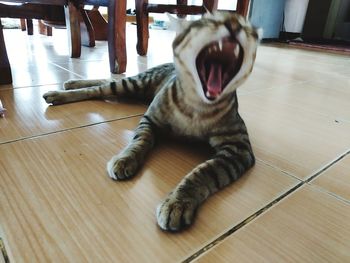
(58, 205)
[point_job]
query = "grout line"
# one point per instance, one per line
(225, 235)
(32, 86)
(279, 169)
(69, 129)
(58, 66)
(325, 191)
(242, 223)
(326, 167)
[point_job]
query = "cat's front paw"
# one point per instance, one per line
(176, 214)
(122, 167)
(55, 97)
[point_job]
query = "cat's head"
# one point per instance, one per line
(216, 53)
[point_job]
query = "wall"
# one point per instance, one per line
(267, 14)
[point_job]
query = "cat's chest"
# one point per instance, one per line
(194, 125)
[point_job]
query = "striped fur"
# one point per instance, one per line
(178, 105)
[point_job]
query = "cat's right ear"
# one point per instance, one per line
(177, 24)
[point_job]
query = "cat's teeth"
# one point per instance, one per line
(236, 50)
(220, 44)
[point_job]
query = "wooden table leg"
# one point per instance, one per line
(243, 7)
(43, 29)
(116, 36)
(181, 2)
(87, 31)
(99, 24)
(23, 24)
(142, 27)
(30, 28)
(211, 5)
(5, 69)
(73, 29)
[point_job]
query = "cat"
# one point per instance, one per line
(193, 97)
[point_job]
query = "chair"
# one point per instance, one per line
(143, 8)
(116, 32)
(69, 13)
(60, 11)
(5, 70)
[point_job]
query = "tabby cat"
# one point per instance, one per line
(194, 97)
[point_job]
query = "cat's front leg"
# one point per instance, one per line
(58, 97)
(178, 210)
(125, 165)
(79, 90)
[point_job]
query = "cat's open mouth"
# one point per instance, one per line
(217, 64)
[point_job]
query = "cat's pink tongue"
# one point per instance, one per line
(214, 82)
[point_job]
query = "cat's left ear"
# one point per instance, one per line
(260, 32)
(177, 24)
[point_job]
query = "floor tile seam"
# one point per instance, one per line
(242, 223)
(66, 62)
(31, 86)
(279, 169)
(68, 129)
(332, 194)
(262, 210)
(58, 66)
(327, 166)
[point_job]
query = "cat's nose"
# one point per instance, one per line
(233, 27)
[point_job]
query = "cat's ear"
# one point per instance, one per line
(177, 24)
(260, 32)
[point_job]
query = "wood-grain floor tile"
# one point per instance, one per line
(58, 205)
(278, 67)
(99, 69)
(308, 226)
(291, 138)
(336, 179)
(39, 74)
(328, 97)
(28, 114)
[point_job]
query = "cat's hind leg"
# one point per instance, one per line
(83, 83)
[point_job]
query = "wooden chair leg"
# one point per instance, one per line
(142, 26)
(23, 24)
(87, 31)
(211, 5)
(73, 29)
(99, 24)
(30, 28)
(181, 2)
(5, 69)
(44, 30)
(242, 7)
(116, 36)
